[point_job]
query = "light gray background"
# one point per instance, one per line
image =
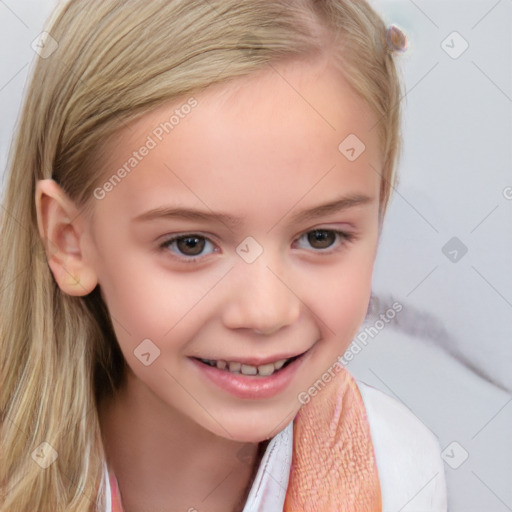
(448, 355)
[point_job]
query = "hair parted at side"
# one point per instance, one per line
(117, 60)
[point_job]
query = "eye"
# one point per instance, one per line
(190, 247)
(325, 238)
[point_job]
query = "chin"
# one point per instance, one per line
(262, 427)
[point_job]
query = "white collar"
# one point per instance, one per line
(268, 490)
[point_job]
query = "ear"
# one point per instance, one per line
(61, 230)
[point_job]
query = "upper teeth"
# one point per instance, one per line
(246, 369)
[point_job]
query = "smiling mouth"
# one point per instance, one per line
(264, 370)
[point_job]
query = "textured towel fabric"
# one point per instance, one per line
(333, 463)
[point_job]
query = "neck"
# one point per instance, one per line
(172, 465)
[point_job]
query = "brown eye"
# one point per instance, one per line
(321, 238)
(190, 245)
(188, 248)
(325, 241)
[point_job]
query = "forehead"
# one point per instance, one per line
(312, 92)
(279, 134)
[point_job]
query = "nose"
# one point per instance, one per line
(261, 299)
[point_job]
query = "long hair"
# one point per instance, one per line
(115, 61)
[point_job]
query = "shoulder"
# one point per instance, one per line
(408, 455)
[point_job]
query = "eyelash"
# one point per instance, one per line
(346, 238)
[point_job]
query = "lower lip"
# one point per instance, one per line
(251, 386)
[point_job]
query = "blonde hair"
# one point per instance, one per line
(115, 61)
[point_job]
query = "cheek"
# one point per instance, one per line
(342, 295)
(346, 301)
(146, 302)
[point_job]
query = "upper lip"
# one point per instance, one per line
(254, 361)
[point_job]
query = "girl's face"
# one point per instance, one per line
(217, 242)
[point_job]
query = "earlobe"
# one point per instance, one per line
(61, 232)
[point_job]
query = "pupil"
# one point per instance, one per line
(322, 236)
(191, 242)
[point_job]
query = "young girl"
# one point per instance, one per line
(192, 212)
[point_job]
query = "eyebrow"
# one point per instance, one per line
(171, 212)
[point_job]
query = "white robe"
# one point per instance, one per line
(411, 471)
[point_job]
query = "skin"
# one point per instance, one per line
(172, 433)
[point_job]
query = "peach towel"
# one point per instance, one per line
(333, 463)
